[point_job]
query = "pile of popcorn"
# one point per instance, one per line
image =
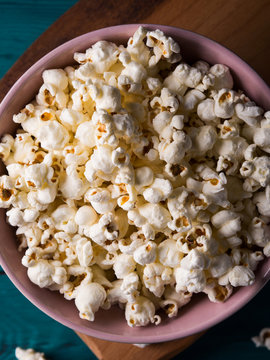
(139, 180)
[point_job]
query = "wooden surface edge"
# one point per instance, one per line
(106, 350)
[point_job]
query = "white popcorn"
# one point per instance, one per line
(7, 142)
(155, 277)
(263, 339)
(154, 214)
(160, 190)
(257, 169)
(124, 265)
(143, 177)
(85, 216)
(141, 313)
(105, 229)
(145, 254)
(7, 191)
(217, 293)
(102, 55)
(203, 139)
(219, 265)
(222, 77)
(227, 222)
(195, 260)
(241, 276)
(106, 97)
(89, 298)
(28, 354)
(168, 253)
(206, 111)
(163, 47)
(249, 112)
(45, 273)
(84, 133)
(189, 280)
(173, 151)
(53, 136)
(129, 287)
(166, 101)
(63, 218)
(100, 200)
(259, 231)
(174, 300)
(224, 103)
(137, 182)
(84, 251)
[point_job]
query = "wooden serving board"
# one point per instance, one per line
(242, 26)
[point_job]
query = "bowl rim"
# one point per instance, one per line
(98, 333)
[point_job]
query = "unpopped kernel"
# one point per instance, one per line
(139, 180)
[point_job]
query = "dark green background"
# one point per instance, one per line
(21, 324)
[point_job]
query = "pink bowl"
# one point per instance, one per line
(110, 325)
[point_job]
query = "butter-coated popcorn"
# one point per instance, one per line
(137, 179)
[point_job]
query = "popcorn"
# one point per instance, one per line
(174, 300)
(227, 222)
(249, 112)
(168, 253)
(206, 111)
(195, 260)
(217, 293)
(136, 182)
(45, 273)
(124, 265)
(53, 136)
(102, 55)
(63, 218)
(257, 169)
(160, 190)
(163, 47)
(7, 191)
(145, 254)
(143, 177)
(28, 354)
(262, 339)
(189, 280)
(89, 298)
(155, 277)
(141, 313)
(85, 216)
(100, 200)
(241, 276)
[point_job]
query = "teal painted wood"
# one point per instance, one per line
(24, 325)
(21, 323)
(21, 22)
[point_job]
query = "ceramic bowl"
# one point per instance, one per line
(200, 313)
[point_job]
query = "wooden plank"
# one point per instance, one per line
(105, 350)
(243, 26)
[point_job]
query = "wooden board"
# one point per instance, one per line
(105, 350)
(242, 26)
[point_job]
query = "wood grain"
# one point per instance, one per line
(242, 26)
(105, 350)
